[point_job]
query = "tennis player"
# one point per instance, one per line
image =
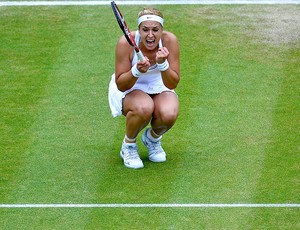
(143, 90)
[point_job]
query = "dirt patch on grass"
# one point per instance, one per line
(276, 24)
(270, 24)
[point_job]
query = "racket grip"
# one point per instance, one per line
(140, 55)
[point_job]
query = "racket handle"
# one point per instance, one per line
(140, 55)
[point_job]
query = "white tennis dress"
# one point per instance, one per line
(149, 82)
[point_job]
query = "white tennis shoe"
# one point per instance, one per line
(130, 156)
(155, 151)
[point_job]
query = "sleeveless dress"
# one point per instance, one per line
(149, 82)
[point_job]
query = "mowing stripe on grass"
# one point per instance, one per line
(149, 205)
(206, 2)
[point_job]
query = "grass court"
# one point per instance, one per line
(236, 140)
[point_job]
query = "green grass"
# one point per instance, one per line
(236, 139)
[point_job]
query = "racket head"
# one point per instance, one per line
(122, 23)
(118, 15)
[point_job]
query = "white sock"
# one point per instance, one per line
(128, 144)
(148, 133)
(130, 140)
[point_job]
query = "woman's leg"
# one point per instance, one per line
(138, 108)
(166, 107)
(165, 113)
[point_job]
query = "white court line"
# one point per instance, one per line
(162, 2)
(149, 205)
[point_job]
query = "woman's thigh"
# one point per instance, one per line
(139, 102)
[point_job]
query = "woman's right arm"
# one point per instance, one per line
(124, 77)
(124, 54)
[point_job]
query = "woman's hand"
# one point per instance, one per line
(161, 55)
(143, 65)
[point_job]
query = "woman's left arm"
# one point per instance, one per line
(169, 53)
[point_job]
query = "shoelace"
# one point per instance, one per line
(156, 146)
(132, 152)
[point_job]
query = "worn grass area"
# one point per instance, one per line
(236, 139)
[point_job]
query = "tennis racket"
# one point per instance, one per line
(125, 29)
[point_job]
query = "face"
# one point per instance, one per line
(151, 32)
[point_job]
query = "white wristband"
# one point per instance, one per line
(135, 72)
(163, 66)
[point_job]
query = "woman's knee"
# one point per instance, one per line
(144, 109)
(166, 109)
(138, 103)
(169, 116)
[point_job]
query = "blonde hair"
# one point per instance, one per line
(150, 11)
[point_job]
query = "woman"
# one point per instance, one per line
(143, 91)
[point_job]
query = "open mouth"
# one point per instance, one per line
(150, 42)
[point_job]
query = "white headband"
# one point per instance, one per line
(150, 17)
